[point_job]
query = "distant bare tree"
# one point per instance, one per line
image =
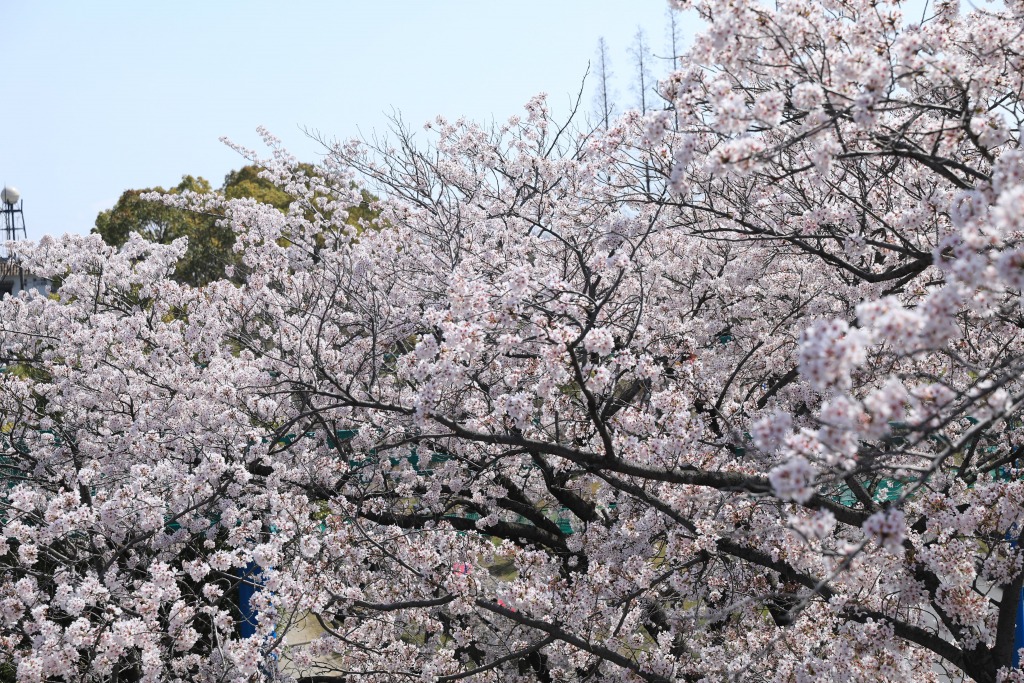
(644, 81)
(604, 98)
(672, 26)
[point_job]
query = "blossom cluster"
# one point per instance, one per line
(727, 390)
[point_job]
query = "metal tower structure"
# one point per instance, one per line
(14, 218)
(13, 229)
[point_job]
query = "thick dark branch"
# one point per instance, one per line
(745, 552)
(512, 656)
(566, 637)
(508, 530)
(407, 604)
(915, 634)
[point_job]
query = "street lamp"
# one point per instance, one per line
(14, 219)
(11, 271)
(10, 195)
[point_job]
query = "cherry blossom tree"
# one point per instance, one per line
(727, 391)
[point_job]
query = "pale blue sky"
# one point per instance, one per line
(101, 96)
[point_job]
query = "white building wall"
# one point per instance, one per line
(14, 283)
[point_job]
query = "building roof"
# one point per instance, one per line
(8, 267)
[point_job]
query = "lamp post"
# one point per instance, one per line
(14, 218)
(14, 229)
(10, 195)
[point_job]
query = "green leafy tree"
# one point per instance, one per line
(210, 242)
(246, 182)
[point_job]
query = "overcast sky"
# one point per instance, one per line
(103, 96)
